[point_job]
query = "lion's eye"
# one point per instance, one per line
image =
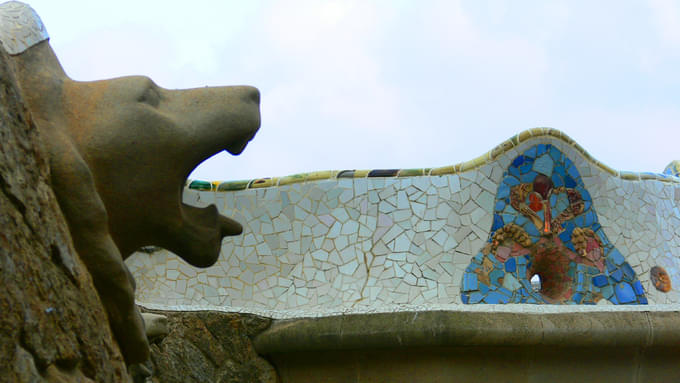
(150, 96)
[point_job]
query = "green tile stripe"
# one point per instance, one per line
(486, 158)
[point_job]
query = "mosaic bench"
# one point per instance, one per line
(475, 233)
(533, 262)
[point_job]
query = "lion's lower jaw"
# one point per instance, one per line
(199, 240)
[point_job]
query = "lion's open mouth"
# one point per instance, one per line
(200, 239)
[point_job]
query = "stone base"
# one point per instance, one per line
(208, 346)
(477, 347)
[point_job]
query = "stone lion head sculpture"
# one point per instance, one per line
(120, 151)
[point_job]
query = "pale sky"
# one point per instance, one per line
(399, 84)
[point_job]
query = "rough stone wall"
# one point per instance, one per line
(210, 347)
(53, 327)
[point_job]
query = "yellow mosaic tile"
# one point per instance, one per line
(442, 171)
(322, 175)
(292, 179)
(262, 183)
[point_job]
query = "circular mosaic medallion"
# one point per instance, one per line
(660, 279)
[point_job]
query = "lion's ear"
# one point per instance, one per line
(20, 27)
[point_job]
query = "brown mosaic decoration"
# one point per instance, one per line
(511, 233)
(586, 242)
(539, 193)
(660, 279)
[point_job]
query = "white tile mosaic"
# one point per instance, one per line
(389, 244)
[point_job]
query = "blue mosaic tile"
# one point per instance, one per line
(465, 298)
(520, 220)
(625, 293)
(528, 177)
(511, 265)
(616, 257)
(495, 275)
(617, 275)
(544, 165)
(600, 280)
(587, 205)
(540, 149)
(509, 210)
(559, 170)
(531, 229)
(476, 297)
(589, 219)
(469, 282)
(531, 153)
(495, 297)
(518, 161)
(497, 222)
(508, 218)
(511, 181)
(584, 193)
(577, 298)
(628, 272)
(557, 180)
(526, 166)
(540, 215)
(637, 286)
(500, 205)
(610, 266)
(556, 155)
(573, 172)
(602, 236)
(503, 191)
(607, 291)
(479, 258)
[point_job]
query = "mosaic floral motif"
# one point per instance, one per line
(544, 224)
(660, 279)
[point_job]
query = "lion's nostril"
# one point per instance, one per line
(253, 94)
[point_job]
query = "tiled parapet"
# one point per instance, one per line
(357, 241)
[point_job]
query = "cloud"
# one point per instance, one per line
(382, 84)
(666, 18)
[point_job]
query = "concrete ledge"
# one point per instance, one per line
(447, 328)
(440, 346)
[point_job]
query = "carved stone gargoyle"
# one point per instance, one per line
(120, 151)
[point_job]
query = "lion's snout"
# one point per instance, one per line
(252, 94)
